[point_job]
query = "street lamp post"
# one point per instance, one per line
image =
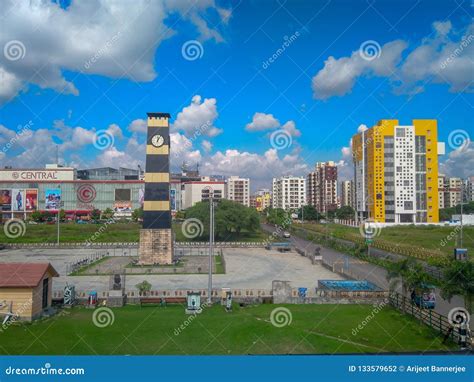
(211, 244)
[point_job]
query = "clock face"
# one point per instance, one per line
(157, 140)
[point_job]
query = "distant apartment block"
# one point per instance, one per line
(322, 187)
(396, 172)
(469, 189)
(238, 190)
(289, 192)
(263, 199)
(199, 191)
(347, 193)
(450, 191)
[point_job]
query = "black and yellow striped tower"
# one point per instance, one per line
(156, 238)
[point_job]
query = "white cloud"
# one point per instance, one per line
(138, 126)
(198, 118)
(338, 76)
(261, 168)
(290, 127)
(459, 163)
(445, 59)
(206, 145)
(262, 121)
(100, 37)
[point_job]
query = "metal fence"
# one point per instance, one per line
(429, 317)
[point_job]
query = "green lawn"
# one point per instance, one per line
(119, 232)
(434, 238)
(248, 330)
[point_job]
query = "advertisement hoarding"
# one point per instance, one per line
(31, 200)
(52, 199)
(6, 200)
(18, 200)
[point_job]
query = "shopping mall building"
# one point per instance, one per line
(78, 192)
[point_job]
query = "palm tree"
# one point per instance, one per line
(409, 273)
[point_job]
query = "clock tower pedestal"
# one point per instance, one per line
(156, 237)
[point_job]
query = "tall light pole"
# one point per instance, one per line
(59, 210)
(211, 243)
(462, 202)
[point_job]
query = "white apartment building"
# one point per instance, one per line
(198, 191)
(289, 192)
(347, 193)
(449, 190)
(238, 190)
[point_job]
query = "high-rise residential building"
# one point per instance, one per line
(263, 199)
(441, 185)
(347, 193)
(238, 190)
(253, 201)
(452, 192)
(322, 187)
(199, 191)
(469, 189)
(289, 192)
(396, 172)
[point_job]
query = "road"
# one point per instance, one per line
(359, 269)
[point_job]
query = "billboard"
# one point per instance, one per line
(31, 200)
(52, 199)
(37, 175)
(6, 200)
(173, 199)
(18, 200)
(123, 209)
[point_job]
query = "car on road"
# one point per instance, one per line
(286, 235)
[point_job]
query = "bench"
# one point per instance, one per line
(162, 300)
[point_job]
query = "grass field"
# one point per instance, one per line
(119, 232)
(248, 330)
(428, 237)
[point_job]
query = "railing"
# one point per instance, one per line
(429, 317)
(98, 245)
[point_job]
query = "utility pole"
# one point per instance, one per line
(462, 203)
(211, 243)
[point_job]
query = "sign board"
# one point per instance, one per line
(37, 175)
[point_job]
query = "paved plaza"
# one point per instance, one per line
(253, 268)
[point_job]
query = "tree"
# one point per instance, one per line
(137, 214)
(279, 217)
(108, 213)
(309, 213)
(230, 218)
(62, 215)
(458, 279)
(409, 273)
(143, 287)
(95, 214)
(345, 212)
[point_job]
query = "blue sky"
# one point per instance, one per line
(140, 67)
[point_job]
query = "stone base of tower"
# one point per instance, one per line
(155, 247)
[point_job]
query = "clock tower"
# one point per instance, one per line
(156, 238)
